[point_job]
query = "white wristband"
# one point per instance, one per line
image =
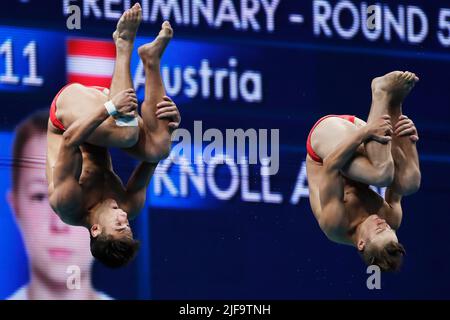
(111, 108)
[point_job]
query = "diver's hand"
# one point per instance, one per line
(380, 130)
(126, 103)
(406, 127)
(167, 109)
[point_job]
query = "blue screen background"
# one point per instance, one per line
(199, 247)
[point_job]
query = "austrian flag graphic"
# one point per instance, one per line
(90, 62)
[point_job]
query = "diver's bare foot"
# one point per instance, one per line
(394, 86)
(152, 52)
(128, 24)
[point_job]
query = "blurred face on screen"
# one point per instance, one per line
(51, 245)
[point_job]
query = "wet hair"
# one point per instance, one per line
(388, 258)
(114, 253)
(33, 125)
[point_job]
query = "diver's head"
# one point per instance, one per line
(378, 244)
(111, 237)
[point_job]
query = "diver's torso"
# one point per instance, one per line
(359, 202)
(97, 179)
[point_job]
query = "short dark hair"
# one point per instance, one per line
(388, 258)
(114, 253)
(33, 125)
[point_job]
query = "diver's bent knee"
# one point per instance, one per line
(385, 174)
(129, 137)
(155, 153)
(410, 182)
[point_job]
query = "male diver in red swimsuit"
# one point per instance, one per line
(347, 155)
(85, 121)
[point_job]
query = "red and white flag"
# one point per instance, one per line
(90, 62)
